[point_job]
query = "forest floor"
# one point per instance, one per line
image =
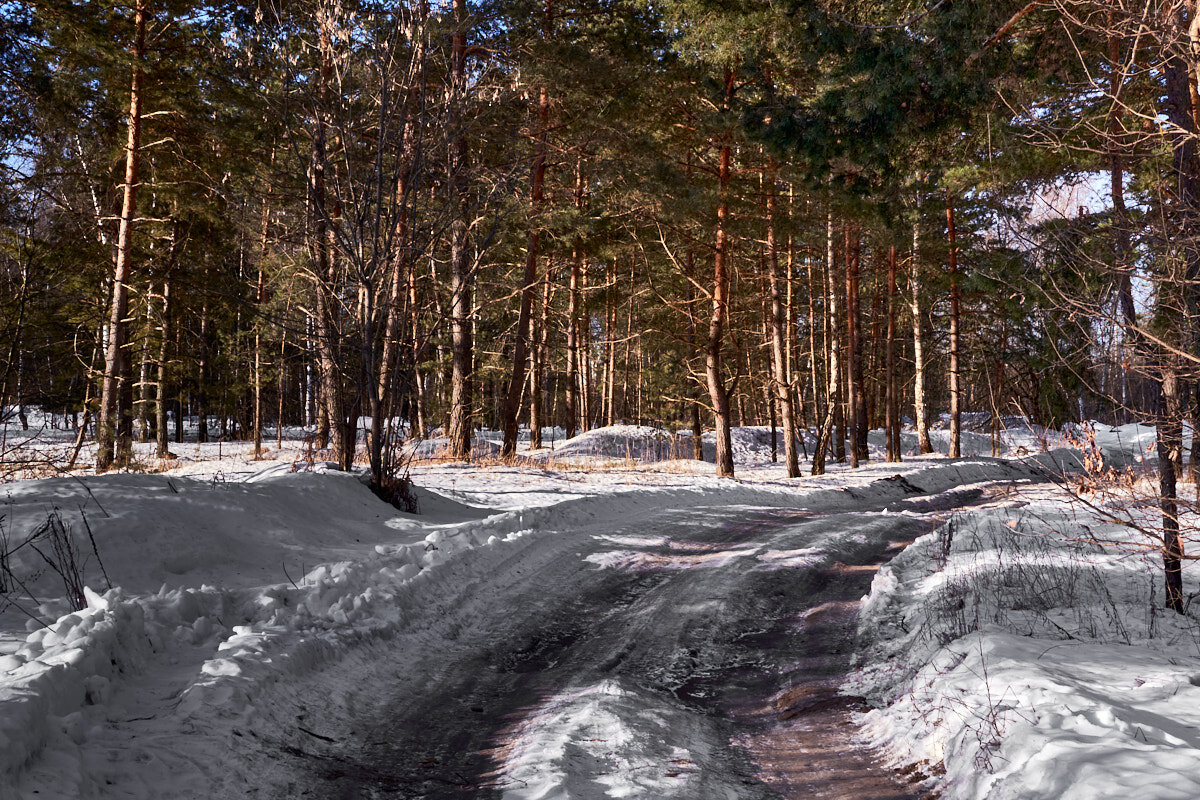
(607, 621)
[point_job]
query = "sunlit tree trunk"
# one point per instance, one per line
(521, 346)
(116, 360)
(920, 413)
(832, 345)
(857, 407)
(160, 406)
(891, 407)
(716, 327)
(955, 366)
(574, 390)
(783, 389)
(536, 377)
(461, 275)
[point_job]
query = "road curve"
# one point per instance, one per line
(681, 653)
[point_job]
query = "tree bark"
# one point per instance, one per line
(716, 327)
(322, 246)
(574, 390)
(143, 402)
(1169, 443)
(536, 378)
(955, 378)
(1179, 111)
(202, 379)
(116, 362)
(282, 385)
(853, 400)
(920, 414)
(857, 408)
(401, 268)
(833, 344)
(166, 332)
(813, 365)
(783, 389)
(836, 381)
(162, 448)
(790, 337)
(260, 297)
(891, 409)
(461, 275)
(419, 345)
(521, 348)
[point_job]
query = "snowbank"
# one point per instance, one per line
(1014, 652)
(1126, 445)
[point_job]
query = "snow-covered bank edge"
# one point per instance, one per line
(1013, 656)
(245, 642)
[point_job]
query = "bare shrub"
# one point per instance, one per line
(6, 582)
(56, 546)
(1034, 585)
(64, 557)
(398, 491)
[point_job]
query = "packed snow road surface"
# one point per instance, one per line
(690, 653)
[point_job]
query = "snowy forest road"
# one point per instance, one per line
(691, 654)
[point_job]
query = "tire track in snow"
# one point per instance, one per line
(645, 661)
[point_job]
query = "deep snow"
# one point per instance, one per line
(1024, 650)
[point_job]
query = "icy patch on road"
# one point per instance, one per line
(608, 740)
(641, 560)
(793, 559)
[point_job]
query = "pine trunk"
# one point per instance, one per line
(160, 410)
(833, 344)
(143, 402)
(166, 333)
(260, 296)
(521, 348)
(1169, 442)
(955, 378)
(1177, 79)
(920, 414)
(856, 384)
(813, 365)
(836, 381)
(574, 400)
(401, 283)
(116, 361)
(537, 378)
(783, 389)
(462, 278)
(202, 379)
(716, 328)
(891, 406)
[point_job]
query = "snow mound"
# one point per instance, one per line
(645, 444)
(1015, 651)
(627, 442)
(1126, 445)
(439, 446)
(154, 530)
(970, 444)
